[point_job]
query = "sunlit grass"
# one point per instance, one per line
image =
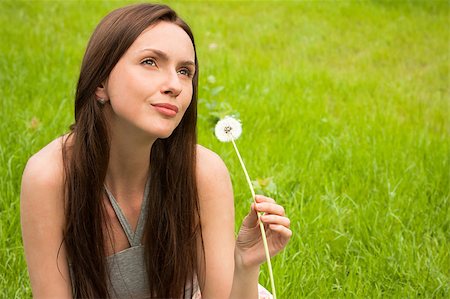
(345, 105)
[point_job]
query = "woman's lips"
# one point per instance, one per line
(166, 109)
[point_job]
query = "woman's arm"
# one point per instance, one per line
(42, 220)
(217, 219)
(231, 267)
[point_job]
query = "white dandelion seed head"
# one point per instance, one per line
(228, 128)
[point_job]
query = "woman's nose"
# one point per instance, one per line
(172, 85)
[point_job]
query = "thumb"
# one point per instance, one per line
(251, 220)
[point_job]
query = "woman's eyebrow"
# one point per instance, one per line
(165, 57)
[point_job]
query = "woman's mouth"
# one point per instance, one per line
(166, 109)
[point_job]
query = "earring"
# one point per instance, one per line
(102, 101)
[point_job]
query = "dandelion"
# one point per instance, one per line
(229, 129)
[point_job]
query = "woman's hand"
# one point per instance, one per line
(249, 250)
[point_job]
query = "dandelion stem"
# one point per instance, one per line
(261, 225)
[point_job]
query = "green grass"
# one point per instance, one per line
(345, 104)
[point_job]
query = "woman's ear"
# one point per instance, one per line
(101, 92)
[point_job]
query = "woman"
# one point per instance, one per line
(127, 204)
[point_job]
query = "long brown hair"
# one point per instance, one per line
(173, 223)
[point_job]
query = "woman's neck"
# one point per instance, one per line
(129, 162)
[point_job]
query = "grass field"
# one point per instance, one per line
(345, 105)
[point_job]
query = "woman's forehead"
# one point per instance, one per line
(166, 37)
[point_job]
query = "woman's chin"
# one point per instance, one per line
(163, 134)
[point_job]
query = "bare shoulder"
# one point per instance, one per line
(45, 168)
(210, 167)
(42, 191)
(213, 181)
(46, 163)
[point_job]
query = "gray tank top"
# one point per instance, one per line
(127, 277)
(127, 272)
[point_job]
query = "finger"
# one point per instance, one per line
(270, 208)
(276, 219)
(251, 219)
(282, 230)
(262, 198)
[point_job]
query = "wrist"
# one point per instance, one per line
(242, 266)
(245, 278)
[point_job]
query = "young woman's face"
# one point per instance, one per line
(150, 87)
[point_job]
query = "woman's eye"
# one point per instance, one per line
(149, 61)
(185, 72)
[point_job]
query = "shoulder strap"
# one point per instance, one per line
(142, 217)
(133, 238)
